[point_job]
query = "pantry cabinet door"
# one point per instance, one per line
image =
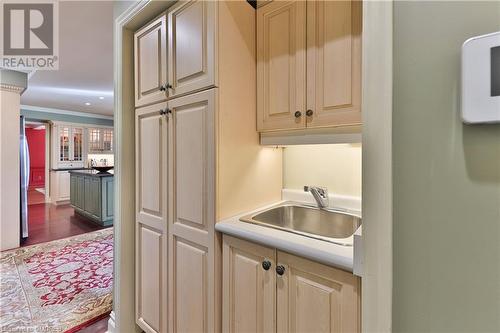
(316, 298)
(281, 65)
(150, 62)
(249, 287)
(333, 63)
(193, 297)
(191, 46)
(151, 217)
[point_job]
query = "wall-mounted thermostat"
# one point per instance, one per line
(481, 79)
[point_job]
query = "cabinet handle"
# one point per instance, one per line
(309, 113)
(165, 111)
(280, 269)
(297, 114)
(165, 86)
(266, 264)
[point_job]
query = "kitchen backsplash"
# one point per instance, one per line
(110, 158)
(336, 166)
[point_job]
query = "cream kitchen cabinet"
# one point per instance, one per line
(150, 65)
(68, 146)
(309, 64)
(249, 287)
(281, 65)
(100, 140)
(151, 217)
(267, 290)
(191, 62)
(59, 187)
(312, 297)
(190, 153)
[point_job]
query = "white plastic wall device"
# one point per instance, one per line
(481, 79)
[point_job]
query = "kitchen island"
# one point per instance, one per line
(92, 195)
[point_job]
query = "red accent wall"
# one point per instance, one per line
(36, 145)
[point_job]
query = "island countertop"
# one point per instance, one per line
(92, 173)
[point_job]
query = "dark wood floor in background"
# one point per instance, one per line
(47, 222)
(35, 197)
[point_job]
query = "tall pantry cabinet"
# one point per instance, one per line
(198, 158)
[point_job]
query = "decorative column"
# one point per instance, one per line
(12, 85)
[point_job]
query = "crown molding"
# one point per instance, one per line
(11, 88)
(66, 112)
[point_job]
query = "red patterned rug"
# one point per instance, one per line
(56, 286)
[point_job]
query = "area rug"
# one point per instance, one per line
(56, 286)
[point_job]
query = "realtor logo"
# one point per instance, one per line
(29, 36)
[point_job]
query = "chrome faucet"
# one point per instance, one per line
(320, 194)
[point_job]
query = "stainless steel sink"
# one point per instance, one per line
(329, 225)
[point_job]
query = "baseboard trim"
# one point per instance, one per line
(111, 323)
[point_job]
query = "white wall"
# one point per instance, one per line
(9, 170)
(336, 166)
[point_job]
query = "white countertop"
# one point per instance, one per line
(321, 251)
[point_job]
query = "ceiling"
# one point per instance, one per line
(85, 72)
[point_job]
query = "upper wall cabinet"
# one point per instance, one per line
(191, 60)
(100, 140)
(150, 44)
(281, 65)
(68, 146)
(332, 47)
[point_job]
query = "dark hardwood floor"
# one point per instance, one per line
(35, 197)
(100, 326)
(47, 222)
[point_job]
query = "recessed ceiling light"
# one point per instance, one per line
(101, 97)
(87, 103)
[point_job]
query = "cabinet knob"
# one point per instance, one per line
(266, 264)
(280, 269)
(309, 113)
(297, 114)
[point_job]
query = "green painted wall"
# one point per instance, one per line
(446, 177)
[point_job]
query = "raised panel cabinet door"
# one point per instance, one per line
(333, 63)
(151, 217)
(248, 287)
(64, 185)
(72, 191)
(191, 46)
(281, 65)
(80, 192)
(192, 279)
(92, 189)
(150, 62)
(316, 298)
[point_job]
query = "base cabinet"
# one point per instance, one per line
(249, 287)
(59, 187)
(266, 290)
(92, 196)
(312, 297)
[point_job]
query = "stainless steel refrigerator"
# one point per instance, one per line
(25, 177)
